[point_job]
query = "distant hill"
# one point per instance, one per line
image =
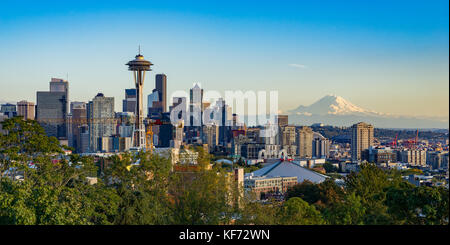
(343, 134)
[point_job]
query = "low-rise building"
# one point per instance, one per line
(420, 180)
(414, 157)
(437, 159)
(309, 163)
(291, 169)
(188, 157)
(8, 110)
(261, 185)
(380, 155)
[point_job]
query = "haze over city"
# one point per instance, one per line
(390, 57)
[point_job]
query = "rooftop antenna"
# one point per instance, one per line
(139, 49)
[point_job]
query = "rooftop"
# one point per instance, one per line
(288, 169)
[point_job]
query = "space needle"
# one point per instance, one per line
(139, 66)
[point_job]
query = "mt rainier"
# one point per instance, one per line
(335, 110)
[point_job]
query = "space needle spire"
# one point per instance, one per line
(139, 66)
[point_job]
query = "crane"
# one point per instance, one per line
(394, 142)
(412, 143)
(149, 134)
(417, 137)
(149, 138)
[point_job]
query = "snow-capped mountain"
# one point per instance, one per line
(332, 105)
(335, 110)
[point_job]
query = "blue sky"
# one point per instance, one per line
(388, 56)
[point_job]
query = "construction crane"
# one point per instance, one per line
(149, 138)
(149, 134)
(417, 137)
(412, 143)
(394, 143)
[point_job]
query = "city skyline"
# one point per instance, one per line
(400, 52)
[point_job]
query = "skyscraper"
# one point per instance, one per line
(26, 110)
(129, 103)
(163, 131)
(84, 139)
(154, 105)
(225, 121)
(125, 123)
(101, 120)
(78, 122)
(52, 108)
(211, 135)
(305, 138)
(288, 140)
(362, 139)
(161, 88)
(59, 85)
(196, 106)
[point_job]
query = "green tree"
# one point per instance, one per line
(15, 206)
(349, 211)
(370, 184)
(307, 191)
(53, 190)
(330, 168)
(201, 197)
(23, 141)
(142, 183)
(26, 136)
(422, 205)
(319, 195)
(254, 212)
(295, 211)
(411, 171)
